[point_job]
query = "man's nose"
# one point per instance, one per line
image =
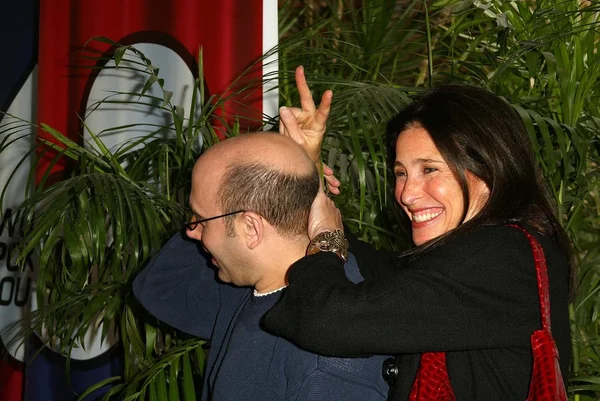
(196, 233)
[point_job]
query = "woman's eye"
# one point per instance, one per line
(399, 173)
(428, 170)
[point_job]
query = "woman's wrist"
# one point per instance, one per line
(329, 241)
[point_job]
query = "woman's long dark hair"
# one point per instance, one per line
(474, 130)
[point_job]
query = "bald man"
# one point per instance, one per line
(250, 200)
(272, 182)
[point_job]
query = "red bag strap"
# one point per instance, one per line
(542, 276)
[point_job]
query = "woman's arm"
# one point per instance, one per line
(477, 292)
(371, 262)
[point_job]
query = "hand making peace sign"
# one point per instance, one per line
(306, 125)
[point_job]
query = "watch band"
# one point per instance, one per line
(329, 241)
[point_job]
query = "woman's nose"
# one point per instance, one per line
(408, 192)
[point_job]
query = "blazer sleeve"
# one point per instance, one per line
(372, 263)
(179, 287)
(477, 292)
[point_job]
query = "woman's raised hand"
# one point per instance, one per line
(333, 184)
(306, 125)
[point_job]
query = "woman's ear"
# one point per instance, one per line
(254, 229)
(479, 194)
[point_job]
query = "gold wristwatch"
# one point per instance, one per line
(329, 241)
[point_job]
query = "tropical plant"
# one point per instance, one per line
(94, 230)
(541, 56)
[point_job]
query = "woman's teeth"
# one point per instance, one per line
(421, 218)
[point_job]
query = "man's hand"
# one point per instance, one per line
(306, 125)
(324, 216)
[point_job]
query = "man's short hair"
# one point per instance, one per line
(283, 199)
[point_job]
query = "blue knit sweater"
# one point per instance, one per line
(245, 362)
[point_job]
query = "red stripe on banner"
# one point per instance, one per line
(11, 382)
(230, 32)
(240, 24)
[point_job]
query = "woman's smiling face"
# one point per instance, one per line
(427, 189)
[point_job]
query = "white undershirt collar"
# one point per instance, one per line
(264, 294)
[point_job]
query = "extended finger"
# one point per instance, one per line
(322, 112)
(306, 100)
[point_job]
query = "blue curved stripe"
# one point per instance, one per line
(19, 28)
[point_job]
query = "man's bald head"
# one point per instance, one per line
(265, 173)
(270, 148)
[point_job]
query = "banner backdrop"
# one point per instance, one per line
(233, 34)
(17, 93)
(43, 81)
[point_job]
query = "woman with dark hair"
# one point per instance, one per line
(463, 302)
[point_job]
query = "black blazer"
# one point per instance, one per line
(475, 297)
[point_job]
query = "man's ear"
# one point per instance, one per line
(254, 229)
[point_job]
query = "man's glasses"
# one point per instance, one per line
(192, 224)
